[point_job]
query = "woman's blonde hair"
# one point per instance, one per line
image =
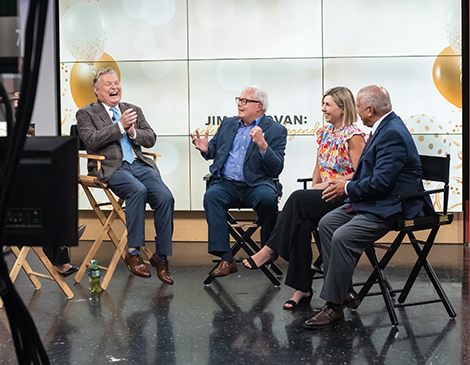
(344, 98)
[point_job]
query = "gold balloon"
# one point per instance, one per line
(81, 79)
(447, 74)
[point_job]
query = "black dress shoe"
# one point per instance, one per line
(326, 318)
(225, 268)
(72, 270)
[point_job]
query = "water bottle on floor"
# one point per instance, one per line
(95, 279)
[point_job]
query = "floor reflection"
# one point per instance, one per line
(242, 336)
(239, 319)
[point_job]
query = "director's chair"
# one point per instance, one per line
(435, 169)
(89, 184)
(242, 232)
(316, 268)
(21, 263)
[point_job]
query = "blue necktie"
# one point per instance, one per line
(125, 144)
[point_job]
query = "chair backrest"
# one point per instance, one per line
(74, 132)
(436, 168)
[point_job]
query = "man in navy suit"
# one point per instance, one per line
(248, 152)
(389, 166)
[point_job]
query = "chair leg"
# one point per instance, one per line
(241, 243)
(422, 261)
(22, 263)
(53, 272)
(243, 240)
(384, 286)
(105, 230)
(114, 261)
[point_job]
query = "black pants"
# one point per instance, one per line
(57, 255)
(292, 236)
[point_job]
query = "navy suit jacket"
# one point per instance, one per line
(257, 170)
(388, 167)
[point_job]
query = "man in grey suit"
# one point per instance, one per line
(117, 131)
(388, 167)
(248, 152)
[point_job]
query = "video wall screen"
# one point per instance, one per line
(184, 62)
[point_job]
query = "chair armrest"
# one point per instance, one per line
(153, 155)
(91, 157)
(304, 180)
(405, 197)
(421, 193)
(98, 159)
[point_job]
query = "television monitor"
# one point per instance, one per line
(43, 208)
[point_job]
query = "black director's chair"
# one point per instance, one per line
(434, 169)
(316, 268)
(242, 233)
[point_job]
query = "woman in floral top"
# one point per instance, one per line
(340, 145)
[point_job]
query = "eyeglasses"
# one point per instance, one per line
(243, 101)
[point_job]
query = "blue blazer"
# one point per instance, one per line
(257, 170)
(388, 167)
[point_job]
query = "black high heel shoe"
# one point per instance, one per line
(253, 265)
(302, 302)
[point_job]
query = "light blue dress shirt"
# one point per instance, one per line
(233, 167)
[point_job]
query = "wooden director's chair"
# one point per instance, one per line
(434, 169)
(22, 263)
(242, 232)
(89, 184)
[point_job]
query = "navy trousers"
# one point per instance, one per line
(225, 194)
(139, 184)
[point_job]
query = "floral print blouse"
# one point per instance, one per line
(332, 153)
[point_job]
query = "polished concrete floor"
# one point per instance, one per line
(239, 319)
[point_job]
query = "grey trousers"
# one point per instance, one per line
(344, 235)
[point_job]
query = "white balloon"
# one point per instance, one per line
(453, 27)
(83, 31)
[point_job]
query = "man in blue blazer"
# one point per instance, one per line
(389, 166)
(248, 153)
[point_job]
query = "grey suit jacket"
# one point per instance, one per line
(102, 137)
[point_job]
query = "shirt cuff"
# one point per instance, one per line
(121, 128)
(346, 188)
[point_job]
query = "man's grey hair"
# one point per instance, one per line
(377, 97)
(260, 95)
(101, 72)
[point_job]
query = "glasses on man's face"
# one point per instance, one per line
(243, 101)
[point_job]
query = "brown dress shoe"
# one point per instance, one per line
(137, 266)
(163, 272)
(225, 268)
(351, 300)
(326, 318)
